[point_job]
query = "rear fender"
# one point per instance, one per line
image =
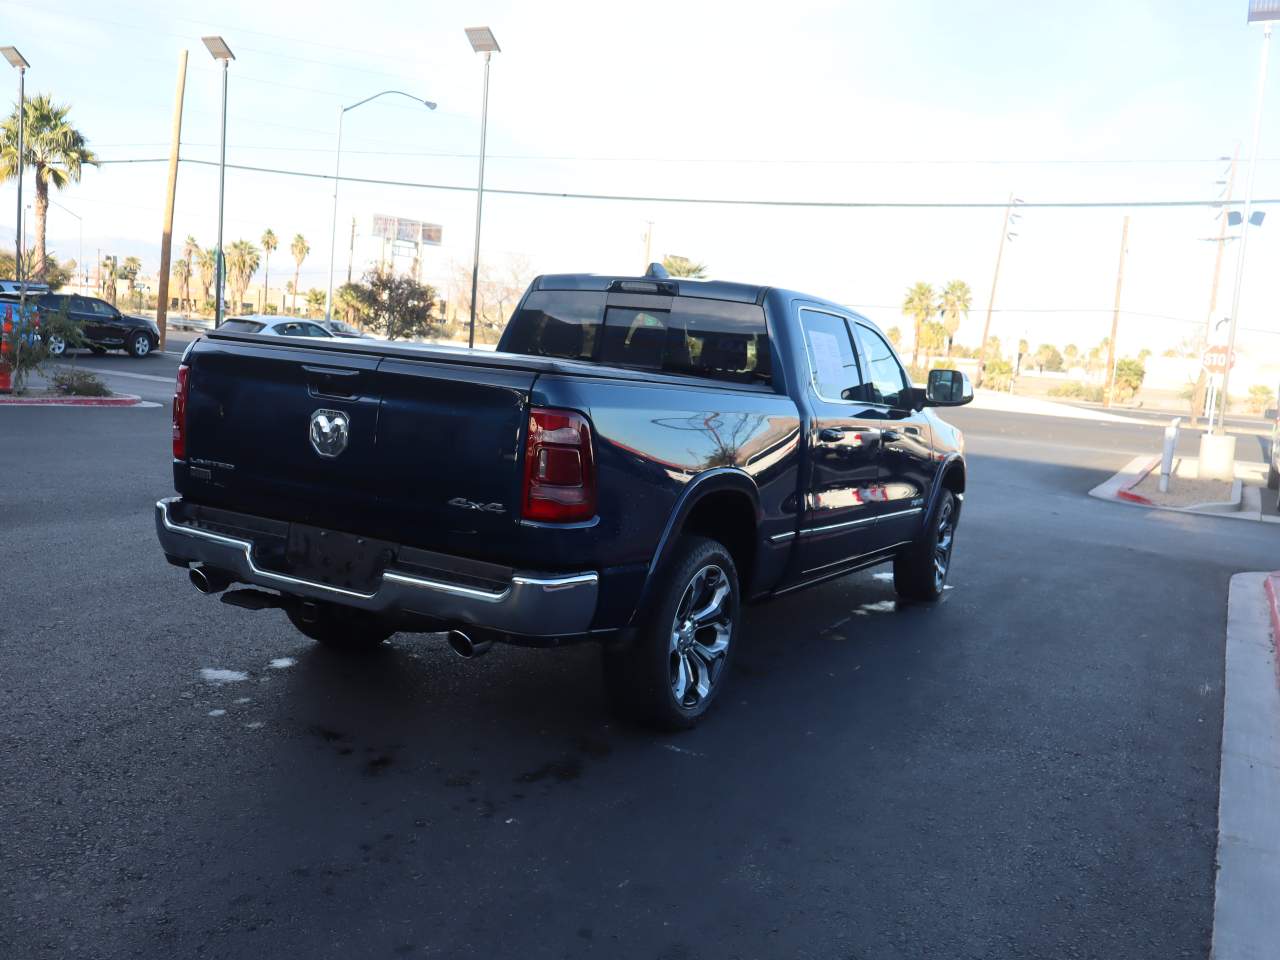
(712, 481)
(953, 461)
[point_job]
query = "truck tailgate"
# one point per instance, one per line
(432, 453)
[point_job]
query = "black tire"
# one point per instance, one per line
(340, 628)
(1273, 477)
(139, 344)
(57, 345)
(669, 653)
(920, 571)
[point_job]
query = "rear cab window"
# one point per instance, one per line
(718, 339)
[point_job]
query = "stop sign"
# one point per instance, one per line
(1214, 359)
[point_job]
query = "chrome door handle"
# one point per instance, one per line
(830, 435)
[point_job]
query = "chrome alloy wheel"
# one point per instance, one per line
(700, 636)
(942, 546)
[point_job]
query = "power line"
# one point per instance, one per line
(716, 201)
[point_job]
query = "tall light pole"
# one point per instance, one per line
(219, 50)
(1217, 450)
(337, 168)
(18, 60)
(482, 41)
(1266, 12)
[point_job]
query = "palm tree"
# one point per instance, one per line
(129, 270)
(684, 267)
(269, 243)
(189, 251)
(208, 261)
(243, 261)
(919, 304)
(299, 249)
(315, 302)
(182, 273)
(956, 300)
(54, 150)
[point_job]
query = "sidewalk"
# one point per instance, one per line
(1246, 921)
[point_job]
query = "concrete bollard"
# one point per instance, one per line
(1218, 457)
(1166, 456)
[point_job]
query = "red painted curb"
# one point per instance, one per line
(120, 400)
(1134, 497)
(1272, 587)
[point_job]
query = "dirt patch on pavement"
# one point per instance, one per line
(1183, 491)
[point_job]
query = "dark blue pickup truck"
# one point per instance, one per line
(638, 459)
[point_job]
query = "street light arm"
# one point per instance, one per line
(429, 104)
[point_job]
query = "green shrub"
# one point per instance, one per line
(1128, 379)
(79, 383)
(998, 374)
(1075, 390)
(1261, 398)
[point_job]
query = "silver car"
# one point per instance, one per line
(275, 326)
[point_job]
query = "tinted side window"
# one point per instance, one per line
(556, 323)
(888, 381)
(102, 308)
(831, 355)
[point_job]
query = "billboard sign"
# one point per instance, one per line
(407, 231)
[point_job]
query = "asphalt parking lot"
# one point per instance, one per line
(1030, 769)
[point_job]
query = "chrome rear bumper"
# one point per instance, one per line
(531, 605)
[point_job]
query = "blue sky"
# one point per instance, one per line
(802, 100)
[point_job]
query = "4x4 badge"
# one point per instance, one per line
(329, 432)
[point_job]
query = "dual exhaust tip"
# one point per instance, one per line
(466, 646)
(209, 580)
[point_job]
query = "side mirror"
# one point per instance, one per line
(947, 388)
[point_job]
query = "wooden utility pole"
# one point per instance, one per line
(1115, 318)
(991, 302)
(166, 234)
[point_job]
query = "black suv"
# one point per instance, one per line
(105, 328)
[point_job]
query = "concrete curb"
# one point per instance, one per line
(1130, 475)
(1246, 925)
(1244, 504)
(118, 400)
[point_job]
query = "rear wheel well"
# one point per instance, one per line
(728, 517)
(953, 479)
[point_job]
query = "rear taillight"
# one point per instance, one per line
(180, 413)
(559, 470)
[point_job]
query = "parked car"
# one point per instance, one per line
(639, 458)
(273, 326)
(104, 327)
(16, 286)
(340, 328)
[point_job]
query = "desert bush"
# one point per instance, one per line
(79, 383)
